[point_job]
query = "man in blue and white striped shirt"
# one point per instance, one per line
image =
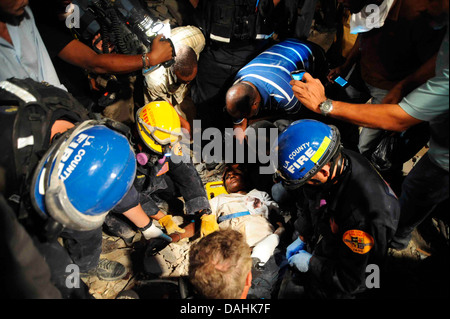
(263, 84)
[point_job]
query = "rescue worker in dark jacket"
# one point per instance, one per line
(235, 32)
(64, 172)
(348, 214)
(165, 172)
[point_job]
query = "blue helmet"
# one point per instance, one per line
(303, 149)
(83, 175)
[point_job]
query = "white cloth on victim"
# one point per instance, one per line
(264, 249)
(255, 226)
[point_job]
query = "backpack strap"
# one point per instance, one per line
(39, 104)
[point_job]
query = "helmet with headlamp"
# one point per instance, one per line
(158, 125)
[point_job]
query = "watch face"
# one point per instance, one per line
(326, 106)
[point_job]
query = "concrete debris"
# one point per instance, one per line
(170, 262)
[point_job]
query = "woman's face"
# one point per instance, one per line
(234, 182)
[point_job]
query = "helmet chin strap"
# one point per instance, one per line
(337, 162)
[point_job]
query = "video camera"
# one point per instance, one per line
(126, 25)
(123, 23)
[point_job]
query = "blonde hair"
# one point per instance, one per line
(219, 264)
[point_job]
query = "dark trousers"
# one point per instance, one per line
(59, 261)
(34, 267)
(266, 281)
(84, 247)
(305, 19)
(423, 189)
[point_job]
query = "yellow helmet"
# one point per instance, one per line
(159, 126)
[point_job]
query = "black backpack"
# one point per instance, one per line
(35, 106)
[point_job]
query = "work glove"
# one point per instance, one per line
(208, 224)
(300, 260)
(151, 231)
(170, 226)
(295, 247)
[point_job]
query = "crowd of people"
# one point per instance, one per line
(98, 104)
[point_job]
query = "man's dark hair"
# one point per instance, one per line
(185, 61)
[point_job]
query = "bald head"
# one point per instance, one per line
(240, 100)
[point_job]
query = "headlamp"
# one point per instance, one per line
(163, 142)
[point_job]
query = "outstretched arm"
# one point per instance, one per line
(138, 217)
(389, 117)
(352, 58)
(79, 54)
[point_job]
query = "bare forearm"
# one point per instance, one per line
(115, 63)
(137, 216)
(389, 117)
(354, 54)
(81, 55)
(392, 117)
(194, 3)
(239, 130)
(158, 215)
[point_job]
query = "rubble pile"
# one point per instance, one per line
(170, 262)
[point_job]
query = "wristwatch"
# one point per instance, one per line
(326, 107)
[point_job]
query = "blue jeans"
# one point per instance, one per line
(369, 135)
(280, 194)
(423, 189)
